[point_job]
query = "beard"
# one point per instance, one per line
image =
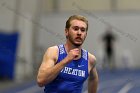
(72, 40)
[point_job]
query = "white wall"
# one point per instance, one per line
(25, 23)
(7, 15)
(127, 23)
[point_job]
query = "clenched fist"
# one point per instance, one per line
(72, 54)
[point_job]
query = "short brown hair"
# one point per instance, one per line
(78, 17)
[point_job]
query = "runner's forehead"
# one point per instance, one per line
(78, 23)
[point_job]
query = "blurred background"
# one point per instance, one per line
(29, 27)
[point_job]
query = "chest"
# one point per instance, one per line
(75, 71)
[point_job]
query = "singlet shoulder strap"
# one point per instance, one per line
(62, 52)
(85, 54)
(61, 49)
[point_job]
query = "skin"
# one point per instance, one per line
(49, 70)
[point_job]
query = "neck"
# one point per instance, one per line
(70, 46)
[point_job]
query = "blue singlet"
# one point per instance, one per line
(72, 76)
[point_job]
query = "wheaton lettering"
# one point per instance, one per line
(71, 71)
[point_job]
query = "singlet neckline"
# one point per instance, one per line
(67, 53)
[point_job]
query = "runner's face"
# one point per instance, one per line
(77, 32)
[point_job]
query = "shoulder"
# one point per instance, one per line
(52, 52)
(52, 49)
(91, 59)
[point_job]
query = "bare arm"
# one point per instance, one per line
(49, 70)
(93, 76)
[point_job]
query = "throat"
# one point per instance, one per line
(77, 58)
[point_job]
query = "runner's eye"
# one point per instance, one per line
(83, 29)
(76, 28)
